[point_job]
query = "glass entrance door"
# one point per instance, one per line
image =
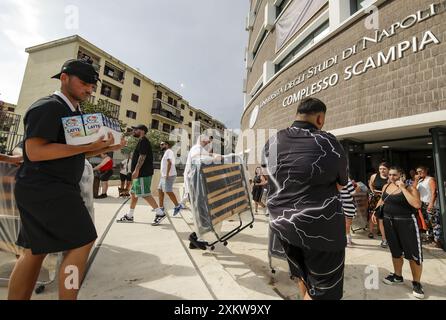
(439, 148)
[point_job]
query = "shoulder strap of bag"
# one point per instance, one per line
(384, 200)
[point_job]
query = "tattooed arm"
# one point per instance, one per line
(139, 165)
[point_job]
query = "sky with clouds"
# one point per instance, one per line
(195, 47)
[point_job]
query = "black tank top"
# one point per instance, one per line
(257, 179)
(396, 205)
(380, 182)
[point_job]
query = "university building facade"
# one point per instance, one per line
(379, 65)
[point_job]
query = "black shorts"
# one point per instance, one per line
(105, 176)
(403, 236)
(125, 178)
(322, 272)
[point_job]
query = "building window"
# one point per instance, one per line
(155, 124)
(131, 114)
(190, 124)
(182, 107)
(135, 98)
(114, 73)
(190, 136)
(175, 103)
(191, 113)
(281, 7)
(170, 101)
(308, 41)
(137, 82)
(356, 5)
(166, 128)
(257, 49)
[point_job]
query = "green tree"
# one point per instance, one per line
(101, 107)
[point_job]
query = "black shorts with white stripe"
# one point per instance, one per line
(403, 236)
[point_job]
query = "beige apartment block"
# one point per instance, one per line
(8, 107)
(131, 96)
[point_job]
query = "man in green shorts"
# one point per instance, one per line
(142, 172)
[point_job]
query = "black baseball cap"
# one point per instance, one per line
(141, 127)
(81, 69)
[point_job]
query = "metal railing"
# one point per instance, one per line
(9, 141)
(167, 114)
(9, 122)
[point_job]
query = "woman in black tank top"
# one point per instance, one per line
(377, 183)
(400, 204)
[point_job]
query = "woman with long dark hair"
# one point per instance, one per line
(400, 204)
(377, 183)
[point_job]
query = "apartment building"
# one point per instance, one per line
(127, 93)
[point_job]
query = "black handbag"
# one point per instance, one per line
(379, 212)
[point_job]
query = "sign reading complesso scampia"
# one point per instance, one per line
(396, 52)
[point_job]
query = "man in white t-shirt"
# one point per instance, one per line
(168, 177)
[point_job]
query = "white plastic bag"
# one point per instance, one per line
(86, 186)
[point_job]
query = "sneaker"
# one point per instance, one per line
(384, 244)
(125, 219)
(102, 196)
(418, 291)
(393, 279)
(371, 236)
(177, 210)
(158, 220)
(349, 241)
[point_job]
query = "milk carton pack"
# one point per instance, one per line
(88, 128)
(74, 127)
(92, 123)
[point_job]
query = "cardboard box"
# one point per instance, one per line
(88, 128)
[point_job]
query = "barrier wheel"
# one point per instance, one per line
(212, 248)
(273, 271)
(225, 244)
(251, 226)
(40, 289)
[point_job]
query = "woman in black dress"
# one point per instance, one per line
(259, 183)
(400, 207)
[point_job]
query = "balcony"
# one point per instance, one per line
(204, 120)
(166, 103)
(114, 73)
(9, 122)
(166, 114)
(85, 55)
(111, 91)
(167, 111)
(112, 108)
